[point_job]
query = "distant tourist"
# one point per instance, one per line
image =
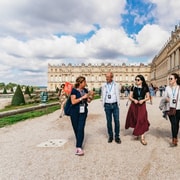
(161, 90)
(111, 101)
(172, 95)
(137, 114)
(62, 99)
(151, 92)
(80, 97)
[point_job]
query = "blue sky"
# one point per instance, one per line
(77, 31)
(135, 9)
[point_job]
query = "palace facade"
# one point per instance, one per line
(164, 63)
(168, 60)
(95, 74)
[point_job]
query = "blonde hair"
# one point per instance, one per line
(79, 80)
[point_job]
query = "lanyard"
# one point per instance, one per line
(173, 92)
(139, 91)
(109, 87)
(82, 92)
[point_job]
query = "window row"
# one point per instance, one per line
(92, 78)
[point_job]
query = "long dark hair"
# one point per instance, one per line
(176, 76)
(144, 84)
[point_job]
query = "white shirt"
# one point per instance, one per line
(112, 90)
(172, 92)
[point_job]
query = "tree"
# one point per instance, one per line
(18, 98)
(4, 91)
(27, 91)
(12, 90)
(2, 85)
(32, 89)
(57, 90)
(11, 85)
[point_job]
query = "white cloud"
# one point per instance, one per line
(35, 33)
(38, 18)
(167, 13)
(150, 39)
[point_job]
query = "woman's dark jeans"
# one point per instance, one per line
(175, 124)
(78, 121)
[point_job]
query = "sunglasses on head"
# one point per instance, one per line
(137, 79)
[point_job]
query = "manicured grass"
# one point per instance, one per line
(21, 117)
(9, 120)
(10, 107)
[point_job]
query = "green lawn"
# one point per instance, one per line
(28, 115)
(9, 120)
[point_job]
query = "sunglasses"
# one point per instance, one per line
(170, 78)
(137, 79)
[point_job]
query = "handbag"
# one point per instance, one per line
(172, 110)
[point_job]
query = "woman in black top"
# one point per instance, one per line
(78, 113)
(137, 113)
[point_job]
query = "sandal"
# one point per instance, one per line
(143, 142)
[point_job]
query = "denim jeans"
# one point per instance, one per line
(112, 110)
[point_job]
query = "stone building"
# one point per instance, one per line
(168, 60)
(95, 74)
(163, 64)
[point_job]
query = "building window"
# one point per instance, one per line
(132, 78)
(60, 78)
(116, 78)
(73, 79)
(51, 77)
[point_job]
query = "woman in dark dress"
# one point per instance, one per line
(137, 113)
(80, 97)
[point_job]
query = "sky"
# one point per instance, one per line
(35, 33)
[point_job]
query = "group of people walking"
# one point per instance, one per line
(137, 116)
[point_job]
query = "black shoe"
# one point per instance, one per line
(110, 139)
(118, 140)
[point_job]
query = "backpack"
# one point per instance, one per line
(67, 107)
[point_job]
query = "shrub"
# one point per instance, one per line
(18, 98)
(27, 91)
(4, 91)
(12, 90)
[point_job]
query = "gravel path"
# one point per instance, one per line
(4, 102)
(22, 159)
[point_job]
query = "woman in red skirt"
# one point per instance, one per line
(137, 113)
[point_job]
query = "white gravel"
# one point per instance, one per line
(22, 159)
(4, 102)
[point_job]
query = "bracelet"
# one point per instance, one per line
(80, 99)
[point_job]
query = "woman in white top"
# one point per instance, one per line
(172, 94)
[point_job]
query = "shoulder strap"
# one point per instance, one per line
(177, 97)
